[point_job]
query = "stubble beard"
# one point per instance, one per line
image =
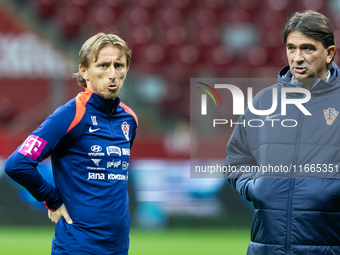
(110, 95)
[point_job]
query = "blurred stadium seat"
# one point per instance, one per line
(182, 5)
(138, 16)
(7, 110)
(101, 18)
(150, 5)
(83, 5)
(70, 19)
(186, 38)
(170, 17)
(46, 8)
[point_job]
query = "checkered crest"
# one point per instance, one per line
(330, 115)
(125, 129)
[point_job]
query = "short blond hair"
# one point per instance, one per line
(92, 47)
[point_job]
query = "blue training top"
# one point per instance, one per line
(89, 141)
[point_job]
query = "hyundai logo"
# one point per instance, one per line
(96, 148)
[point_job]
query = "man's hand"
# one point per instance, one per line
(57, 214)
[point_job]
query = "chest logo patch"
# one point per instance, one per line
(125, 129)
(33, 147)
(96, 161)
(330, 115)
(94, 120)
(93, 130)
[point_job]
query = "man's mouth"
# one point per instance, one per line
(299, 70)
(112, 87)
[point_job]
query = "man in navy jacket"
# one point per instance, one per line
(297, 199)
(89, 141)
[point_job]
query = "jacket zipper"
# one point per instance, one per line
(109, 120)
(291, 187)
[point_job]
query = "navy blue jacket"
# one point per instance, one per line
(293, 214)
(89, 141)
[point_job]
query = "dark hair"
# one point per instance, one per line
(311, 24)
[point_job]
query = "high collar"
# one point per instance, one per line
(106, 105)
(321, 86)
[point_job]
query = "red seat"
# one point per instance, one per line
(169, 17)
(138, 16)
(250, 5)
(277, 57)
(140, 35)
(269, 18)
(221, 56)
(154, 54)
(316, 5)
(256, 56)
(187, 55)
(279, 5)
(214, 5)
(173, 36)
(103, 19)
(204, 17)
(150, 5)
(177, 104)
(83, 5)
(117, 6)
(46, 8)
(236, 16)
(7, 110)
(207, 36)
(70, 19)
(184, 6)
(272, 37)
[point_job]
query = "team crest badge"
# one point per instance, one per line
(330, 115)
(126, 128)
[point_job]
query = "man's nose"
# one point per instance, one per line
(298, 57)
(112, 73)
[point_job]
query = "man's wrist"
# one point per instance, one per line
(48, 207)
(53, 206)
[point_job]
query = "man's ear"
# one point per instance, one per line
(330, 53)
(83, 72)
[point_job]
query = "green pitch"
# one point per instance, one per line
(37, 241)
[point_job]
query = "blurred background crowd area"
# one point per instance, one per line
(171, 41)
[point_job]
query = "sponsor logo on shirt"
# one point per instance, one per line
(114, 164)
(96, 161)
(120, 177)
(93, 130)
(94, 120)
(96, 176)
(96, 151)
(101, 176)
(125, 165)
(113, 150)
(32, 147)
(125, 128)
(96, 148)
(126, 151)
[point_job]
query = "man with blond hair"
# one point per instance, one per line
(89, 141)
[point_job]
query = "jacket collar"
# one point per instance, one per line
(106, 105)
(285, 78)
